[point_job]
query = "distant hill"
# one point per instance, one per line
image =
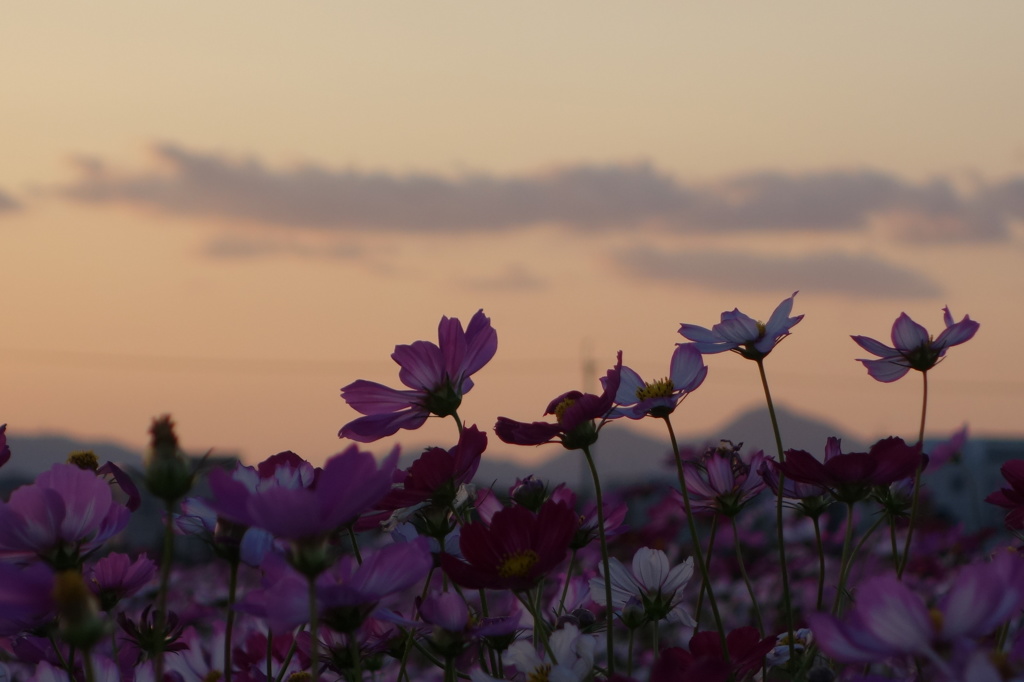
(32, 455)
(623, 454)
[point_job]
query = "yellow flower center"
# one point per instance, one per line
(540, 674)
(662, 388)
(84, 459)
(561, 407)
(518, 565)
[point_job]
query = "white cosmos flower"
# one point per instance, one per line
(573, 651)
(652, 582)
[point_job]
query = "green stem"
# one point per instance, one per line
(695, 539)
(90, 675)
(565, 587)
(705, 586)
(784, 569)
(357, 657)
(314, 654)
(847, 545)
(821, 562)
(746, 578)
(657, 640)
(270, 654)
(629, 660)
(355, 545)
(232, 589)
(609, 609)
(917, 480)
(288, 656)
(165, 578)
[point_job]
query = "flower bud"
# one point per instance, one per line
(81, 624)
(168, 474)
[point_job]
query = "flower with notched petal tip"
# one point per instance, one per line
(437, 376)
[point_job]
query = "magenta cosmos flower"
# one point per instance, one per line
(61, 518)
(723, 483)
(637, 398)
(515, 550)
(349, 484)
(578, 417)
(850, 477)
(438, 474)
(743, 334)
(437, 376)
(5, 449)
(912, 346)
(1011, 498)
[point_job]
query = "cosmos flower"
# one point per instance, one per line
(573, 651)
(578, 417)
(5, 449)
(350, 484)
(912, 346)
(61, 518)
(851, 476)
(652, 582)
(743, 334)
(438, 474)
(637, 399)
(116, 576)
(723, 483)
(515, 550)
(1011, 498)
(437, 376)
(26, 593)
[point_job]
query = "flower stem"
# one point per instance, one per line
(165, 578)
(917, 480)
(845, 560)
(821, 562)
(784, 570)
(314, 644)
(565, 587)
(705, 576)
(232, 589)
(746, 578)
(609, 609)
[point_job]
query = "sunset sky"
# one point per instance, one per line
(227, 211)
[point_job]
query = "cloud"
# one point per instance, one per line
(7, 203)
(829, 272)
(239, 247)
(585, 197)
(513, 278)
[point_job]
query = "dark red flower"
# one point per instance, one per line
(1011, 498)
(515, 550)
(575, 414)
(746, 649)
(851, 477)
(438, 473)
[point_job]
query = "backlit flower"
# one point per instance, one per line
(578, 417)
(437, 376)
(573, 658)
(515, 550)
(116, 576)
(656, 585)
(1011, 498)
(637, 398)
(722, 483)
(912, 346)
(5, 449)
(743, 334)
(850, 477)
(438, 474)
(61, 518)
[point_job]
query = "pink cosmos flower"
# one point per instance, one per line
(350, 484)
(116, 576)
(575, 416)
(437, 376)
(743, 334)
(723, 483)
(637, 398)
(657, 586)
(912, 346)
(61, 518)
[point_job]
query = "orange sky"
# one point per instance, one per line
(228, 212)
